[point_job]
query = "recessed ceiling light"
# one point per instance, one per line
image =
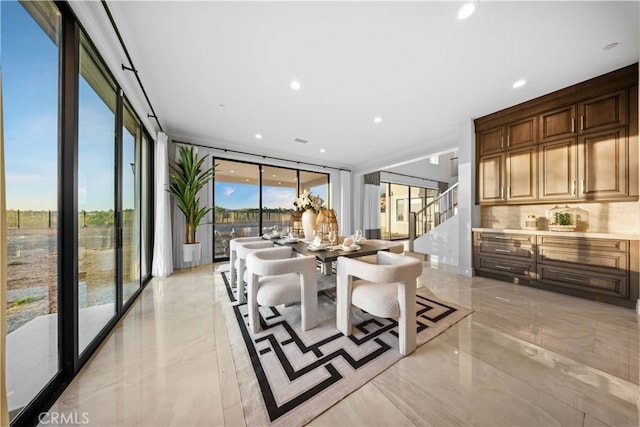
(273, 175)
(322, 150)
(232, 171)
(610, 46)
(258, 136)
(280, 182)
(466, 11)
(295, 85)
(247, 179)
(519, 83)
(377, 119)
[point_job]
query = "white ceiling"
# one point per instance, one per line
(412, 63)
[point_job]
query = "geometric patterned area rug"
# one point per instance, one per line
(292, 376)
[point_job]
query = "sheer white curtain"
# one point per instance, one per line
(4, 414)
(162, 249)
(345, 203)
(371, 206)
(179, 223)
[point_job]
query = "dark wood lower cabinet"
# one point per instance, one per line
(596, 268)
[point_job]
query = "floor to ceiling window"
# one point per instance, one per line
(250, 199)
(236, 196)
(131, 201)
(30, 87)
(96, 197)
(77, 173)
(279, 190)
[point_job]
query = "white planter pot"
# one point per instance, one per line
(191, 253)
(309, 219)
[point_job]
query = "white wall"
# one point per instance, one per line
(441, 243)
(468, 212)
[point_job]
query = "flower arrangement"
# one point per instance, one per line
(308, 201)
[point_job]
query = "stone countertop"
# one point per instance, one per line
(620, 236)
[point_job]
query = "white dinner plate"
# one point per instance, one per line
(316, 248)
(350, 248)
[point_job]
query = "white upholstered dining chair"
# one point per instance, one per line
(233, 259)
(384, 289)
(275, 278)
(242, 251)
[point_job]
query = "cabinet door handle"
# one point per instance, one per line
(502, 267)
(573, 279)
(573, 124)
(582, 186)
(503, 238)
(508, 139)
(501, 141)
(506, 251)
(582, 122)
(573, 187)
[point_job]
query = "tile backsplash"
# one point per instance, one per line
(609, 217)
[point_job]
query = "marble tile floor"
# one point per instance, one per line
(525, 357)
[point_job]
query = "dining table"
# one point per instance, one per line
(327, 254)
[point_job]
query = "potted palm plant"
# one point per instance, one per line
(187, 178)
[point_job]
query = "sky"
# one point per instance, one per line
(29, 60)
(238, 196)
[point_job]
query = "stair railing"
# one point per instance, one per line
(434, 214)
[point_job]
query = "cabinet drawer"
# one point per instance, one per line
(588, 258)
(587, 243)
(512, 239)
(511, 250)
(592, 282)
(510, 267)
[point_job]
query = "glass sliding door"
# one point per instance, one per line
(385, 230)
(316, 183)
(30, 85)
(96, 197)
(237, 203)
(131, 206)
(279, 189)
(144, 174)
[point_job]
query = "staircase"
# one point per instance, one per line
(431, 216)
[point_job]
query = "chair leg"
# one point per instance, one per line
(232, 266)
(407, 320)
(344, 287)
(242, 266)
(252, 304)
(309, 301)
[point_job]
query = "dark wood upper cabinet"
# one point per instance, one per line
(579, 143)
(603, 112)
(491, 177)
(558, 175)
(557, 124)
(491, 140)
(522, 175)
(522, 133)
(603, 165)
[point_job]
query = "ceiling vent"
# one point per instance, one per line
(300, 140)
